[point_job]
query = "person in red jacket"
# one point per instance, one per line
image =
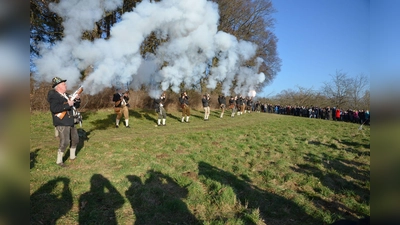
(337, 114)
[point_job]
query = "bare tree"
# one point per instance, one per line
(366, 100)
(252, 21)
(338, 89)
(357, 90)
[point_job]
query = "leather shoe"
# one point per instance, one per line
(62, 164)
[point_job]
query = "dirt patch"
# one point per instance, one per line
(162, 156)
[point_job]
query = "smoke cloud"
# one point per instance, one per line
(193, 42)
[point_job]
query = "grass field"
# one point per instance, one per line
(254, 168)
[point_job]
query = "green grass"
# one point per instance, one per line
(255, 168)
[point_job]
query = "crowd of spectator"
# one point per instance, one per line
(335, 113)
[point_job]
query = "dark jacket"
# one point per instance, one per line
(157, 103)
(117, 100)
(184, 100)
(59, 104)
(222, 100)
(205, 101)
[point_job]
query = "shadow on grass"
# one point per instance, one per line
(98, 205)
(197, 112)
(32, 156)
(103, 124)
(151, 117)
(173, 117)
(49, 203)
(274, 209)
(158, 200)
(352, 147)
(347, 182)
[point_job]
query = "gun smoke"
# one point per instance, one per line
(193, 40)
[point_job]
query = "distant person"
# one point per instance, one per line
(184, 101)
(61, 108)
(121, 101)
(337, 114)
(206, 106)
(367, 117)
(239, 104)
(328, 113)
(249, 103)
(160, 110)
(232, 105)
(222, 104)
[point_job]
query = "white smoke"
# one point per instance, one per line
(193, 42)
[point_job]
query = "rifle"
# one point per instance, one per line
(73, 96)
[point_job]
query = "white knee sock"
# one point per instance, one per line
(59, 157)
(72, 153)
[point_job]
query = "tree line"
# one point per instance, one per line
(340, 91)
(246, 20)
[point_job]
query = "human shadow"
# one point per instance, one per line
(32, 156)
(135, 114)
(334, 179)
(273, 208)
(173, 117)
(103, 124)
(151, 116)
(98, 205)
(354, 147)
(158, 200)
(318, 143)
(49, 202)
(201, 116)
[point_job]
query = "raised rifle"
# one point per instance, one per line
(73, 96)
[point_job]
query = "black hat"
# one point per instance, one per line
(56, 81)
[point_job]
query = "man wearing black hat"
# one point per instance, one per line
(61, 107)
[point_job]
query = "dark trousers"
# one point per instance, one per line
(68, 136)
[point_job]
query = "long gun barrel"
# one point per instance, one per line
(76, 93)
(73, 96)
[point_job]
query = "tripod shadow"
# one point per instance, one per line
(274, 209)
(98, 205)
(158, 200)
(49, 203)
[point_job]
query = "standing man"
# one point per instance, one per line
(61, 107)
(249, 104)
(206, 106)
(159, 106)
(222, 104)
(239, 104)
(121, 107)
(184, 100)
(232, 105)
